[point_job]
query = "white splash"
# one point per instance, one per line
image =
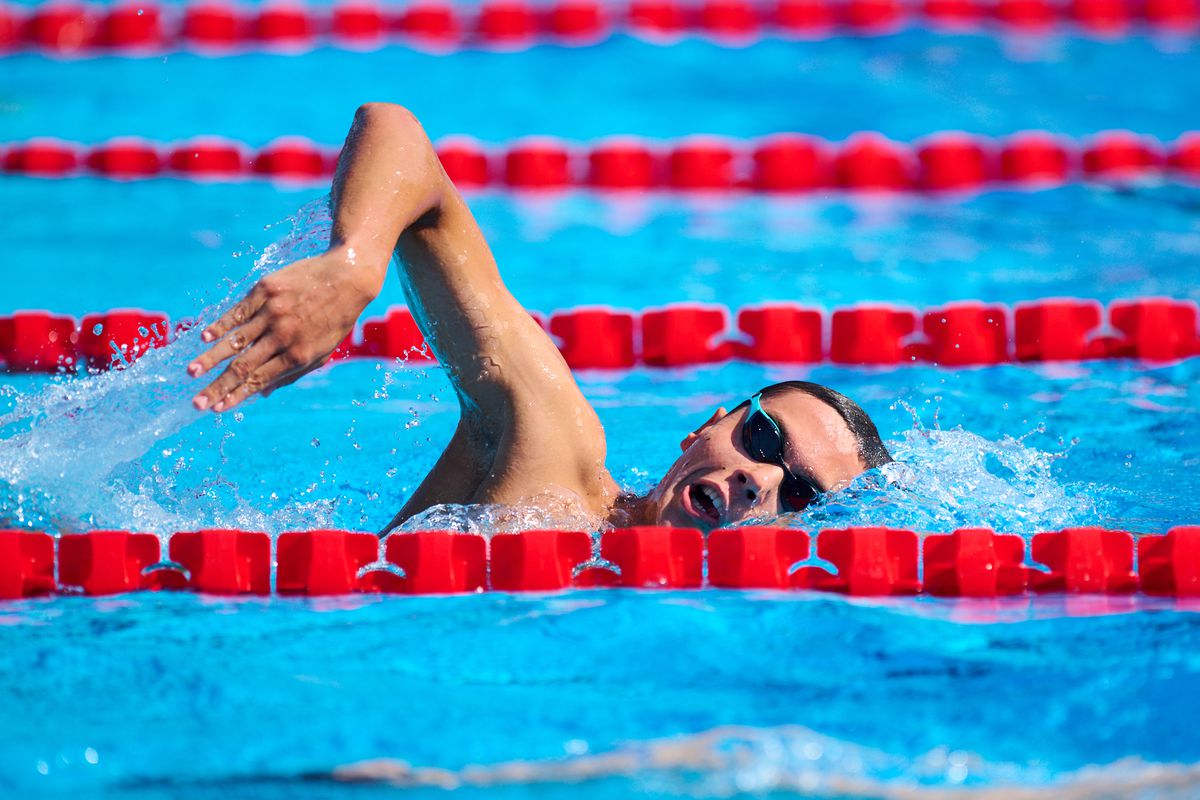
(69, 452)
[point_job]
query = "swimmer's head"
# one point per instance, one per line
(723, 476)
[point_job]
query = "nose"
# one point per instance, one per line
(751, 483)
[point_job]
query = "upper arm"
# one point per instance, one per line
(501, 361)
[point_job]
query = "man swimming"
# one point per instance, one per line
(526, 434)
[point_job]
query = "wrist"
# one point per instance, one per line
(364, 271)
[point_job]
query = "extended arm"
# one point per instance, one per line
(390, 195)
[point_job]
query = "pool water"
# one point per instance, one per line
(607, 693)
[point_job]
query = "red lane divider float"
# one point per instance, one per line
(684, 335)
(867, 562)
(218, 26)
(941, 163)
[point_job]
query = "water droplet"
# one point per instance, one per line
(97, 329)
(315, 442)
(91, 756)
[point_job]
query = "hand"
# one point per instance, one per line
(287, 326)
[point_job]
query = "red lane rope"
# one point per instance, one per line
(785, 163)
(71, 28)
(689, 334)
(869, 562)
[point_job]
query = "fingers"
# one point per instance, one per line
(245, 370)
(290, 378)
(236, 342)
(242, 312)
(265, 375)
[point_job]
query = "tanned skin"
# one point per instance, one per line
(526, 434)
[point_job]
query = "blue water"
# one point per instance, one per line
(907, 86)
(603, 694)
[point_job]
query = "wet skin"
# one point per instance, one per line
(526, 435)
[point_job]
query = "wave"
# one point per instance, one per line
(732, 760)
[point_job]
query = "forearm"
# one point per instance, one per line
(388, 179)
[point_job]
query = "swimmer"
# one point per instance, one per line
(526, 435)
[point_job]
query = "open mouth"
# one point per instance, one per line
(706, 502)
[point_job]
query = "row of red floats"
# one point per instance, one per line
(784, 163)
(960, 334)
(72, 28)
(868, 562)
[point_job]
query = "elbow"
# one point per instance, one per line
(389, 116)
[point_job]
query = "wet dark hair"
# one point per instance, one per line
(870, 447)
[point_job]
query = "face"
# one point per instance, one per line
(716, 482)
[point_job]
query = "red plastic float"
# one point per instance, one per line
(537, 561)
(622, 164)
(395, 336)
(701, 163)
(729, 19)
(1121, 155)
(439, 562)
(755, 558)
(656, 557)
(1057, 330)
(1172, 16)
(1028, 16)
(6, 337)
(965, 334)
(1185, 156)
(357, 23)
(1090, 560)
(657, 17)
(953, 162)
(224, 561)
(131, 27)
(292, 159)
(208, 158)
(1170, 565)
(953, 14)
(595, 338)
(1102, 17)
(212, 25)
(871, 162)
(790, 164)
(26, 564)
(465, 162)
(1035, 158)
(107, 562)
(125, 158)
(805, 18)
(46, 158)
(1155, 329)
(10, 27)
(64, 28)
(782, 333)
(39, 342)
(872, 16)
(538, 164)
(684, 335)
(870, 562)
(974, 562)
(506, 23)
(284, 25)
(431, 23)
(323, 562)
(119, 337)
(872, 335)
(577, 21)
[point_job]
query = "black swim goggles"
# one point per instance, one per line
(762, 439)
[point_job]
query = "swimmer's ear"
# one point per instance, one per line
(688, 440)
